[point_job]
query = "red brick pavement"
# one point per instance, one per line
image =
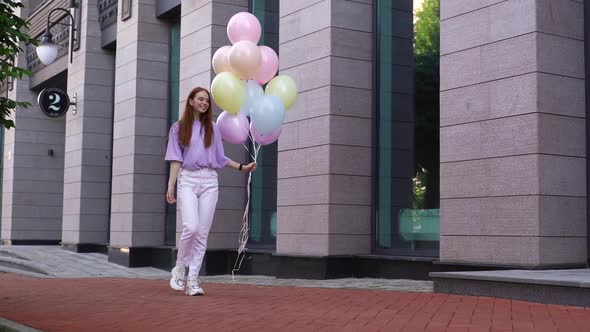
(109, 304)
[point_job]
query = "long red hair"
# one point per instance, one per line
(185, 125)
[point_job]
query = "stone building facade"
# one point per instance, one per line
(337, 195)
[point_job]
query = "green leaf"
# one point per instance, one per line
(13, 35)
(7, 123)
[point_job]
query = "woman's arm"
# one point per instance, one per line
(251, 167)
(223, 159)
(174, 169)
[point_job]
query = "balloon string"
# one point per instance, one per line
(256, 149)
(250, 153)
(245, 230)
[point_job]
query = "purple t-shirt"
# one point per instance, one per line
(196, 155)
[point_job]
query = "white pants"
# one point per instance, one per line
(197, 198)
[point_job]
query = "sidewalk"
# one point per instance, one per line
(115, 304)
(146, 303)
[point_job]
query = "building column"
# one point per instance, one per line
(324, 158)
(513, 153)
(87, 180)
(202, 31)
(139, 137)
(32, 175)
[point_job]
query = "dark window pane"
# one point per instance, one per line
(263, 207)
(407, 204)
(173, 110)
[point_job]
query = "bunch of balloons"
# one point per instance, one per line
(241, 70)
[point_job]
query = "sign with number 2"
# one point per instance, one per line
(53, 102)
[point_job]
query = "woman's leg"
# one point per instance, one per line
(187, 201)
(189, 211)
(207, 201)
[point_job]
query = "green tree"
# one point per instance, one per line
(426, 62)
(427, 29)
(12, 36)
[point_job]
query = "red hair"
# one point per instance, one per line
(185, 125)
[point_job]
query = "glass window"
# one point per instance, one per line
(263, 207)
(173, 111)
(407, 126)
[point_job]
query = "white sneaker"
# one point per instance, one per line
(193, 287)
(178, 279)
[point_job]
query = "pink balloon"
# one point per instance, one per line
(243, 26)
(244, 59)
(269, 65)
(220, 61)
(268, 138)
(233, 128)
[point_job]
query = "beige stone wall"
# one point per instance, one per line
(513, 153)
(324, 166)
(87, 164)
(139, 130)
(32, 184)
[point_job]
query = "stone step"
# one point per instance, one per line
(566, 287)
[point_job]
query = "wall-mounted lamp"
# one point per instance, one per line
(47, 49)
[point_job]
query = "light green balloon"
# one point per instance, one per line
(228, 92)
(284, 88)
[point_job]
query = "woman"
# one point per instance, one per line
(196, 152)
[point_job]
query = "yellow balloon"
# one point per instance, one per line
(284, 88)
(228, 92)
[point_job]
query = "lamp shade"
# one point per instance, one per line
(47, 52)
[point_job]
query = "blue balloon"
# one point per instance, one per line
(246, 109)
(268, 113)
(253, 91)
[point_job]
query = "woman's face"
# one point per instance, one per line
(200, 102)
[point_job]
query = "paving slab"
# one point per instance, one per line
(59, 263)
(53, 261)
(84, 292)
(128, 304)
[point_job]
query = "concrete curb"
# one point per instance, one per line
(521, 277)
(10, 326)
